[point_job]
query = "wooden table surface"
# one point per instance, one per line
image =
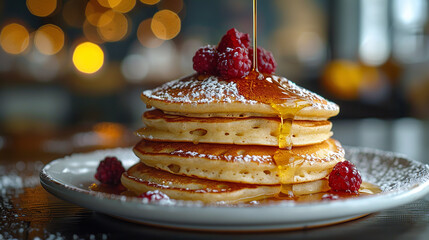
(27, 211)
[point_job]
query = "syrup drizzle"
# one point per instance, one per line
(255, 45)
(286, 113)
(270, 90)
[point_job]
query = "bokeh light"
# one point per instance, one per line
(310, 48)
(88, 57)
(125, 6)
(146, 36)
(91, 33)
(150, 2)
(106, 18)
(165, 24)
(163, 61)
(109, 3)
(14, 38)
(343, 79)
(49, 39)
(349, 80)
(135, 67)
(116, 27)
(109, 132)
(41, 8)
(93, 12)
(43, 68)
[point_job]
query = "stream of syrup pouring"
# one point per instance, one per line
(265, 88)
(286, 113)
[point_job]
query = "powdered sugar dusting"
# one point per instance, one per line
(269, 158)
(208, 90)
(389, 171)
(228, 157)
(331, 156)
(191, 90)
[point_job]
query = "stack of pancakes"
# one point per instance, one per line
(215, 140)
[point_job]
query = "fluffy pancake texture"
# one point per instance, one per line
(242, 164)
(242, 131)
(199, 95)
(141, 178)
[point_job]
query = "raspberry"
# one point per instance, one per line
(345, 178)
(151, 196)
(205, 60)
(109, 171)
(234, 63)
(266, 62)
(233, 39)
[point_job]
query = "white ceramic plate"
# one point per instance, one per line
(401, 180)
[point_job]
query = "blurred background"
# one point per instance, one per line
(71, 71)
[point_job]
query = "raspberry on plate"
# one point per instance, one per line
(234, 63)
(232, 39)
(345, 178)
(109, 171)
(205, 60)
(266, 62)
(151, 196)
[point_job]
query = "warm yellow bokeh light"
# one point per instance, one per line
(146, 36)
(41, 8)
(108, 131)
(115, 29)
(88, 57)
(106, 18)
(343, 79)
(93, 12)
(150, 2)
(109, 3)
(165, 24)
(14, 38)
(49, 39)
(91, 33)
(125, 6)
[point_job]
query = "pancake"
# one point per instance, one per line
(210, 96)
(300, 189)
(242, 131)
(141, 178)
(242, 163)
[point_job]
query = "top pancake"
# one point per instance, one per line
(208, 96)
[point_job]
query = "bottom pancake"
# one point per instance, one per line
(141, 178)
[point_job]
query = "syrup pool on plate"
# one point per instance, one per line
(118, 189)
(365, 190)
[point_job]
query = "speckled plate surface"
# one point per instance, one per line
(401, 180)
